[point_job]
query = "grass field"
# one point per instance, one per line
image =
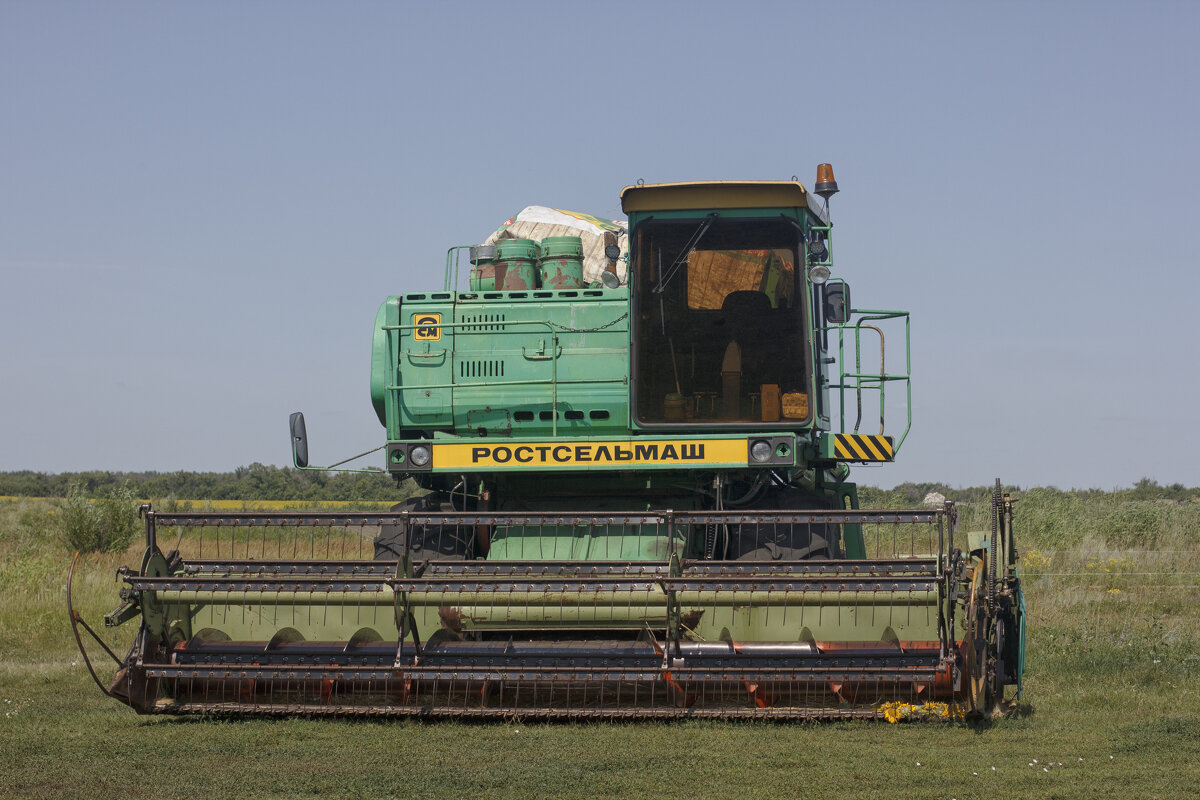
(1111, 704)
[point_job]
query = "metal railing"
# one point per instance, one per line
(860, 379)
(747, 536)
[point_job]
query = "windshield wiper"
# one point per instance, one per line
(669, 275)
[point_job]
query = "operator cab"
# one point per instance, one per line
(721, 304)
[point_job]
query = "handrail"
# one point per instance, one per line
(451, 277)
(860, 380)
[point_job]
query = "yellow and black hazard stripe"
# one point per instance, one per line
(862, 447)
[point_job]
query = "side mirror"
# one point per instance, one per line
(299, 440)
(837, 302)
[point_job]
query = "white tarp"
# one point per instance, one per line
(538, 222)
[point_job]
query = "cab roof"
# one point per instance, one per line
(719, 194)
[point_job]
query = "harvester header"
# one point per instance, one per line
(632, 442)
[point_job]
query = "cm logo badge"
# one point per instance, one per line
(427, 326)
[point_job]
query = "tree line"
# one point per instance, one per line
(262, 482)
(255, 482)
(912, 494)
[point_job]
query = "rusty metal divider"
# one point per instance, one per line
(373, 518)
(407, 574)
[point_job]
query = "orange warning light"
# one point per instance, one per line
(826, 186)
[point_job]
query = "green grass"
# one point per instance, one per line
(1114, 666)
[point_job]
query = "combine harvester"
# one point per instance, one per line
(635, 441)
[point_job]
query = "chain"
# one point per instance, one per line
(588, 330)
(993, 558)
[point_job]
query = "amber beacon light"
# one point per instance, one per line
(825, 186)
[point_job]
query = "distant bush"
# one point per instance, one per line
(104, 526)
(77, 520)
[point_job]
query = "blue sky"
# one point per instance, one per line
(202, 205)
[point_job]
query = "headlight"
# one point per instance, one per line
(773, 451)
(818, 274)
(419, 455)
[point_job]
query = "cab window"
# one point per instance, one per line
(720, 321)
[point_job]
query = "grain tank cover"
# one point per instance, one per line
(595, 233)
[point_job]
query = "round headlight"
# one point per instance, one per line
(818, 274)
(419, 455)
(760, 450)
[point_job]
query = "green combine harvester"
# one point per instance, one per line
(635, 441)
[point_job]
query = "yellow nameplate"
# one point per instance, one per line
(616, 453)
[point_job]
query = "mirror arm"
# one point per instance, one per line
(300, 449)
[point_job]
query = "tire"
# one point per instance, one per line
(436, 541)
